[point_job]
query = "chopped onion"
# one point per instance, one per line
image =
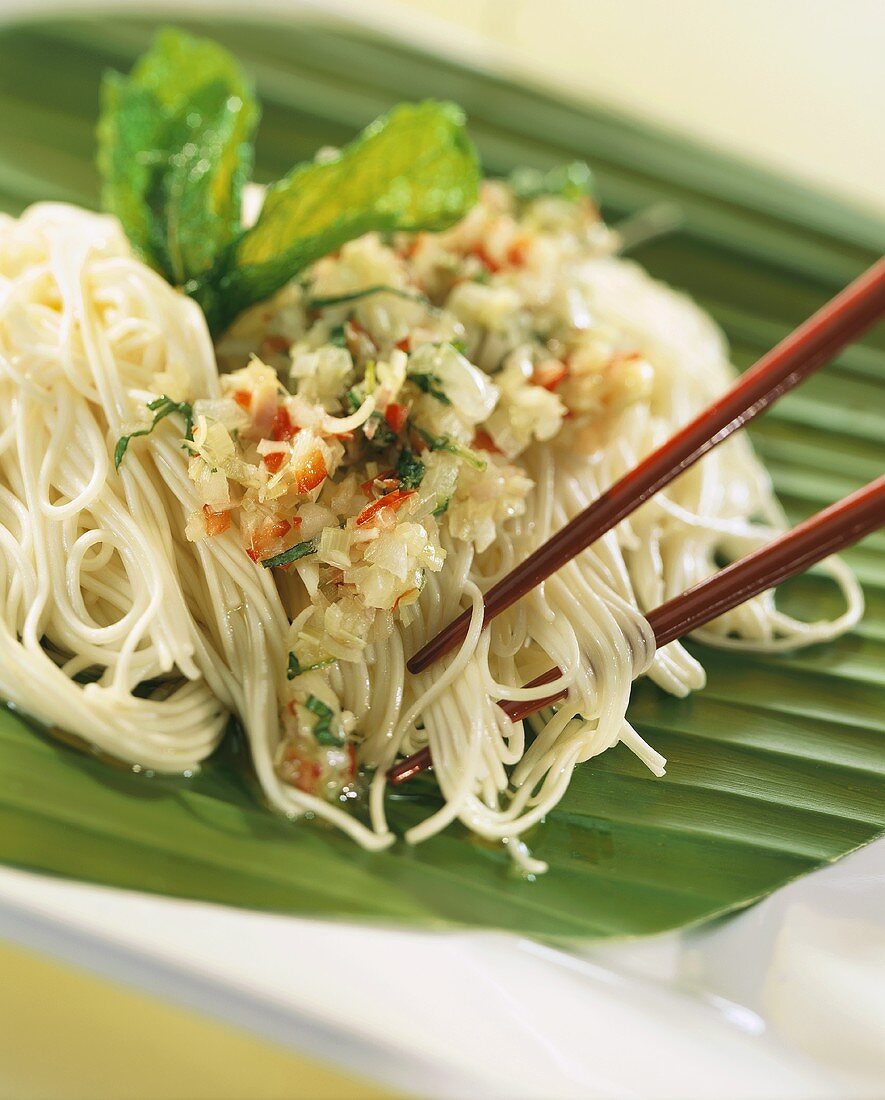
(470, 392)
(333, 425)
(334, 548)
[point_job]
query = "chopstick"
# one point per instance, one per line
(813, 344)
(835, 528)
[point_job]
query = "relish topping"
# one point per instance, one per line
(379, 406)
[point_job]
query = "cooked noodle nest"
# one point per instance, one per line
(168, 637)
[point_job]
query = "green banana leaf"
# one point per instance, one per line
(775, 769)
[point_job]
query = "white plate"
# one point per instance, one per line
(785, 1000)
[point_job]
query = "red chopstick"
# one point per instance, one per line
(796, 357)
(835, 528)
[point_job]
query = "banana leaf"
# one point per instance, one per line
(775, 769)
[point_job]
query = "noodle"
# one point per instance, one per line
(122, 628)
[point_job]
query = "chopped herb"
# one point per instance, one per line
(482, 277)
(322, 729)
(296, 668)
(318, 707)
(568, 181)
(409, 470)
(383, 435)
(452, 446)
(357, 295)
(337, 337)
(459, 346)
(442, 509)
(299, 550)
(161, 407)
(355, 396)
(430, 384)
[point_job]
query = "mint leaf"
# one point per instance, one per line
(175, 151)
(383, 435)
(568, 181)
(359, 295)
(452, 446)
(338, 337)
(409, 469)
(414, 168)
(296, 668)
(322, 729)
(299, 550)
(430, 384)
(161, 407)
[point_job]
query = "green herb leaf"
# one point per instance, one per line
(446, 443)
(568, 181)
(299, 550)
(383, 435)
(318, 707)
(161, 407)
(414, 168)
(367, 292)
(409, 470)
(322, 729)
(296, 668)
(430, 384)
(326, 736)
(175, 150)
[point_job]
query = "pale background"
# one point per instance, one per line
(798, 85)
